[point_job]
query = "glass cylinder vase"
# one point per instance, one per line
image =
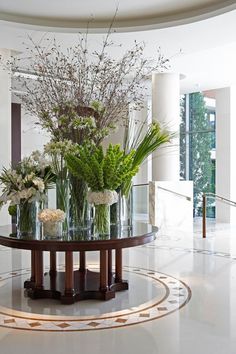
(62, 200)
(27, 218)
(52, 229)
(79, 209)
(126, 209)
(101, 220)
(115, 214)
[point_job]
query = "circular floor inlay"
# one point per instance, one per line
(167, 294)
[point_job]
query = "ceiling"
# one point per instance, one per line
(204, 51)
(131, 14)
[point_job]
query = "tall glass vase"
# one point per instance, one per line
(126, 209)
(79, 214)
(27, 218)
(115, 213)
(62, 200)
(101, 221)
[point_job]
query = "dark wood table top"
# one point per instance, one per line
(120, 237)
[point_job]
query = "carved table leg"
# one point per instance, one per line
(31, 282)
(38, 270)
(53, 270)
(53, 263)
(32, 278)
(118, 276)
(82, 261)
(68, 297)
(103, 270)
(109, 267)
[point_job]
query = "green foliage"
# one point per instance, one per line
(153, 139)
(200, 142)
(102, 170)
(12, 210)
(144, 145)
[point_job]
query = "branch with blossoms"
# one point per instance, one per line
(81, 94)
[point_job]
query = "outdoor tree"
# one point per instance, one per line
(200, 142)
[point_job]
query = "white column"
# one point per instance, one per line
(116, 137)
(166, 109)
(5, 125)
(142, 119)
(140, 193)
(225, 152)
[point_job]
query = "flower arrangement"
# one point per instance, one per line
(51, 215)
(70, 191)
(28, 181)
(104, 173)
(79, 96)
(52, 221)
(24, 185)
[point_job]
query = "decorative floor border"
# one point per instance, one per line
(177, 294)
(191, 250)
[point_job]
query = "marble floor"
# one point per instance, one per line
(182, 299)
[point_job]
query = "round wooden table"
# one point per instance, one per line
(77, 284)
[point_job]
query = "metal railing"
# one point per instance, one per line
(166, 190)
(204, 207)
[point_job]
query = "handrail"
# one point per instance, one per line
(222, 199)
(140, 184)
(204, 206)
(166, 190)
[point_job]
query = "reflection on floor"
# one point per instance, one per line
(150, 318)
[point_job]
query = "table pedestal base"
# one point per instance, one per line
(87, 286)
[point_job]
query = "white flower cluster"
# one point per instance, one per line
(59, 147)
(27, 181)
(51, 215)
(30, 188)
(35, 162)
(104, 197)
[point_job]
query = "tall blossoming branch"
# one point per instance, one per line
(80, 86)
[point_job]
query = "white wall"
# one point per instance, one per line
(225, 152)
(171, 211)
(33, 137)
(5, 125)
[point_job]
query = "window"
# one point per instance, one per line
(197, 147)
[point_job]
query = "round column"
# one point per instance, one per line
(166, 110)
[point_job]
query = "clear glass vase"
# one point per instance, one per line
(79, 209)
(115, 214)
(53, 229)
(62, 200)
(101, 220)
(126, 209)
(27, 218)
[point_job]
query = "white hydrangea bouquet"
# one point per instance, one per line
(52, 220)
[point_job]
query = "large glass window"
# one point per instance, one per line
(197, 147)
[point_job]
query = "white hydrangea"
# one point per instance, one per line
(51, 215)
(103, 197)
